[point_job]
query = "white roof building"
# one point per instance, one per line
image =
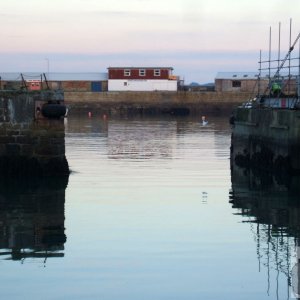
(53, 76)
(248, 75)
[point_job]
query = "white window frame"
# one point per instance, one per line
(142, 72)
(127, 72)
(157, 72)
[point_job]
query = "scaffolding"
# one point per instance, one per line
(283, 74)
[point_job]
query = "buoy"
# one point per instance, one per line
(89, 114)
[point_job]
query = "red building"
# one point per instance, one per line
(33, 85)
(141, 79)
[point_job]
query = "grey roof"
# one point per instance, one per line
(237, 75)
(248, 75)
(12, 76)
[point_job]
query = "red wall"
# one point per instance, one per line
(119, 74)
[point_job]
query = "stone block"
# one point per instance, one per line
(13, 132)
(25, 139)
(13, 149)
(27, 150)
(57, 141)
(2, 149)
(7, 139)
(46, 150)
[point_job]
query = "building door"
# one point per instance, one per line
(96, 86)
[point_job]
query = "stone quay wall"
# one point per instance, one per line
(29, 147)
(35, 149)
(267, 139)
(156, 102)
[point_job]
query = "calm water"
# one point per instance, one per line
(150, 211)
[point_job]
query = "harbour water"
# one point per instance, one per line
(149, 211)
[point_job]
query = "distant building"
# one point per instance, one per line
(236, 81)
(77, 82)
(33, 85)
(248, 82)
(141, 79)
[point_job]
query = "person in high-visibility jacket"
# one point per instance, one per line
(276, 89)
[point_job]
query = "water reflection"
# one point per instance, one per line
(148, 138)
(270, 204)
(32, 218)
(136, 140)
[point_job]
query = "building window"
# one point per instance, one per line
(157, 72)
(125, 83)
(236, 83)
(142, 72)
(127, 72)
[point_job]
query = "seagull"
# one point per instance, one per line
(204, 122)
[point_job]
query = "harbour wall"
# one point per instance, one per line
(34, 149)
(267, 139)
(29, 146)
(156, 102)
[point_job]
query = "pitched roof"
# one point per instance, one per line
(237, 75)
(248, 75)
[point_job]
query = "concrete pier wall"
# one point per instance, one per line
(16, 108)
(155, 102)
(19, 106)
(29, 146)
(33, 149)
(267, 139)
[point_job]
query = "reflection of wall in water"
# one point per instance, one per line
(82, 124)
(141, 140)
(271, 206)
(32, 219)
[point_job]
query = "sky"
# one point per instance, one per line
(197, 38)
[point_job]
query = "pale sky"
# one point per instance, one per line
(197, 38)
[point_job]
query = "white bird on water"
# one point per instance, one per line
(204, 121)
